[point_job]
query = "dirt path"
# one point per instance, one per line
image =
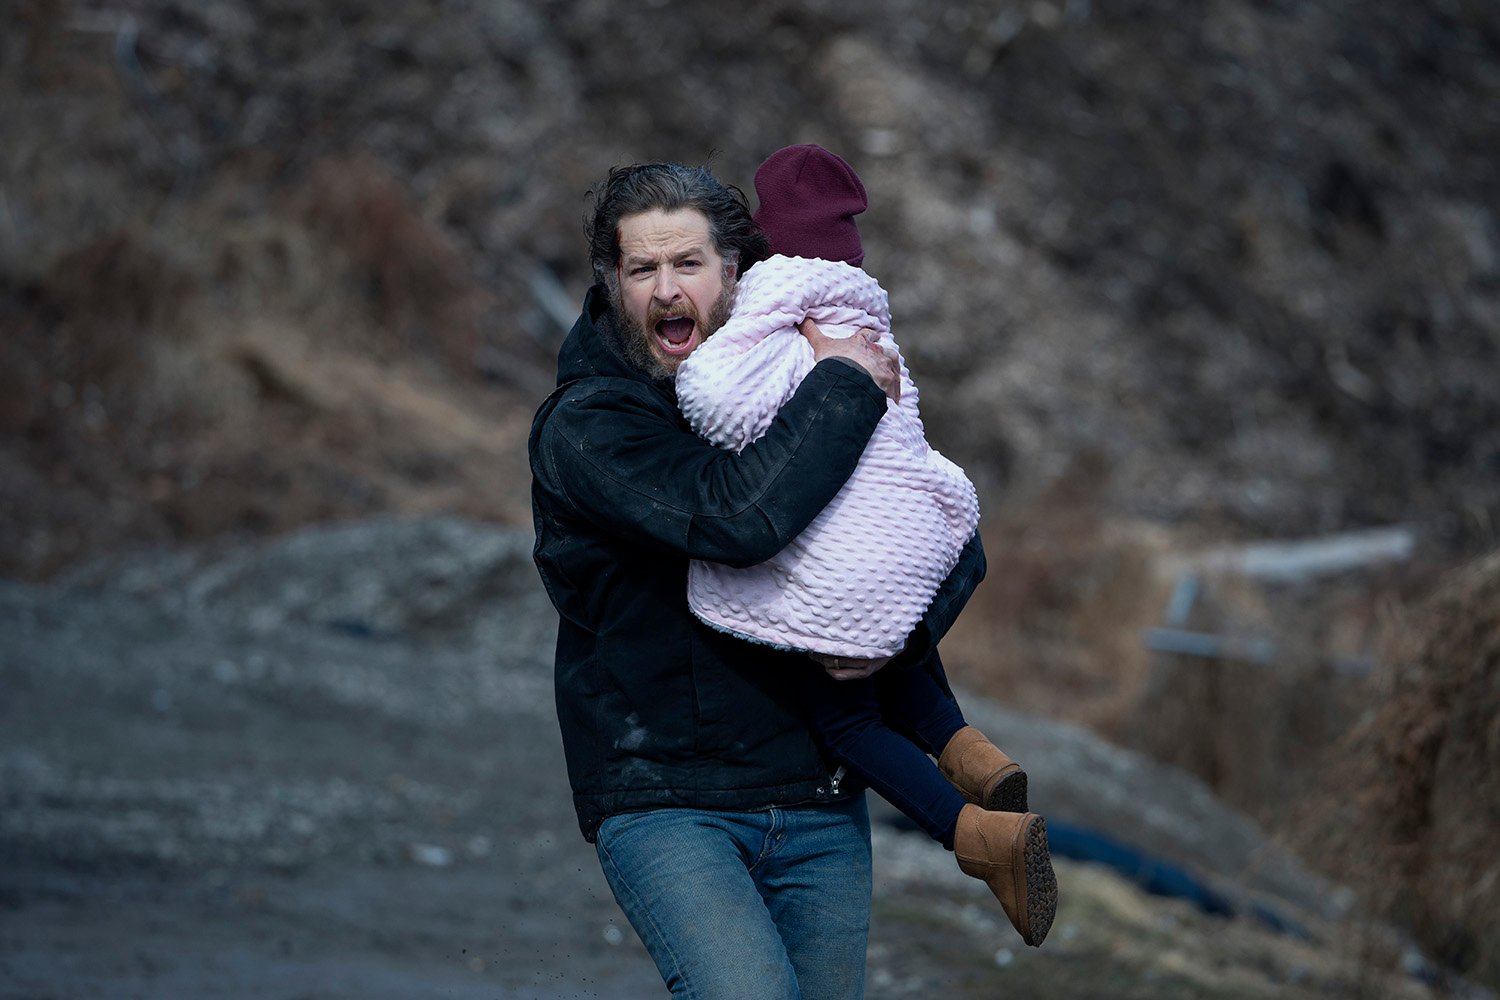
(329, 767)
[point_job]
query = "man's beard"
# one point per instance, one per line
(634, 340)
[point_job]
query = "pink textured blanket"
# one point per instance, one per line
(859, 578)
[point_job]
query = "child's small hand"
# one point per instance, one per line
(862, 348)
(850, 668)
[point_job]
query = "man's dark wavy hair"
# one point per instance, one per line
(669, 187)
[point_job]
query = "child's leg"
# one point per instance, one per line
(846, 720)
(1007, 849)
(915, 701)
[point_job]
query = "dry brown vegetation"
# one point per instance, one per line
(312, 362)
(1411, 800)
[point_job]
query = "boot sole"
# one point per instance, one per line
(1041, 884)
(1008, 795)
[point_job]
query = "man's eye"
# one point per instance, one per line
(689, 265)
(643, 269)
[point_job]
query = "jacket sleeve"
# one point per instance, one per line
(617, 459)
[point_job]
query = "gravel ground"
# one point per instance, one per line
(328, 766)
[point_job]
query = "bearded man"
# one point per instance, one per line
(741, 862)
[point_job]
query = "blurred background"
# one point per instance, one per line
(1205, 298)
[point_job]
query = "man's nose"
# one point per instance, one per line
(666, 289)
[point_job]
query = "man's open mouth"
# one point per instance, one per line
(675, 334)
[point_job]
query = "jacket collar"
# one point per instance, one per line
(591, 348)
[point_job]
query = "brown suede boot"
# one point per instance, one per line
(982, 773)
(1009, 852)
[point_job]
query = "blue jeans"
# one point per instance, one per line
(773, 903)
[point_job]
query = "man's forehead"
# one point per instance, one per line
(656, 233)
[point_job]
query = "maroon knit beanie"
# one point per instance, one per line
(808, 200)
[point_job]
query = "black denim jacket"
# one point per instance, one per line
(656, 708)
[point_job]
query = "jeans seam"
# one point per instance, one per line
(650, 919)
(768, 843)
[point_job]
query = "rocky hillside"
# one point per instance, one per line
(266, 263)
